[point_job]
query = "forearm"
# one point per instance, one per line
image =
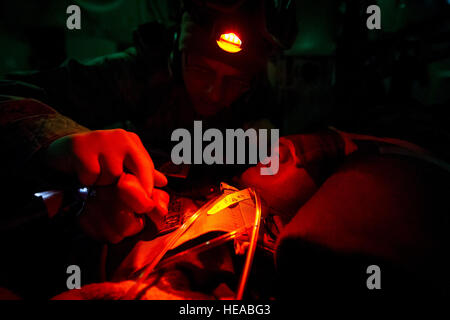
(27, 127)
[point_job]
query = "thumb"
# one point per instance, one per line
(133, 195)
(159, 179)
(161, 199)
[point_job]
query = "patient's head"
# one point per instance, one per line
(289, 188)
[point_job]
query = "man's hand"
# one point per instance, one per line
(109, 215)
(114, 158)
(100, 157)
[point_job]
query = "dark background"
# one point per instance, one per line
(335, 60)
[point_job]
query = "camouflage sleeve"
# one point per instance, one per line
(27, 126)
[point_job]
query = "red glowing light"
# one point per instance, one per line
(229, 42)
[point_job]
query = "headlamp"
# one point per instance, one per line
(229, 42)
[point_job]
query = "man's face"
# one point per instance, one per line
(212, 85)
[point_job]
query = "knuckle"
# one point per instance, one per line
(119, 131)
(136, 137)
(133, 135)
(96, 134)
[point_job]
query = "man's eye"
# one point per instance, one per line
(240, 83)
(200, 70)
